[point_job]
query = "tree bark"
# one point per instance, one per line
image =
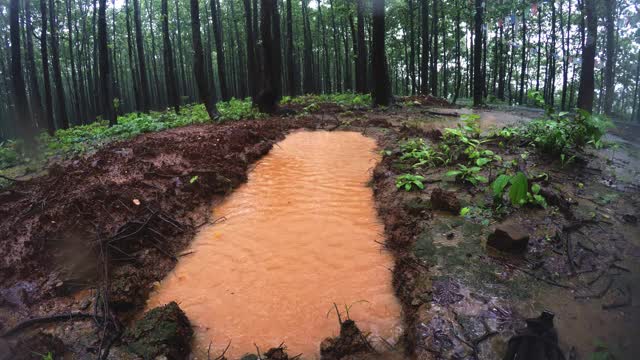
(198, 62)
(169, 67)
(74, 78)
(61, 105)
(477, 53)
(292, 85)
(308, 86)
(144, 83)
(434, 55)
(132, 62)
(36, 98)
(105, 71)
(587, 81)
(610, 48)
(381, 87)
(424, 61)
(217, 35)
(361, 55)
(22, 113)
(251, 55)
(266, 99)
(523, 66)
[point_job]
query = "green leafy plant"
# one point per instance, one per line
(468, 174)
(519, 193)
(417, 152)
(409, 182)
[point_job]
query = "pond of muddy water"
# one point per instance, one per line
(298, 236)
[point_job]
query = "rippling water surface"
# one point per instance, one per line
(298, 236)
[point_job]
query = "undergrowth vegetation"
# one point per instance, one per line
(79, 139)
(342, 99)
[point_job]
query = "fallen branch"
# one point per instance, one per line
(47, 319)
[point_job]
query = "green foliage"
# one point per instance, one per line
(236, 109)
(417, 152)
(558, 134)
(601, 352)
(471, 123)
(9, 154)
(468, 174)
(519, 193)
(342, 99)
(410, 182)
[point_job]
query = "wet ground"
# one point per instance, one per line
(299, 236)
(459, 299)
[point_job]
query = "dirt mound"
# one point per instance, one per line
(137, 193)
(427, 100)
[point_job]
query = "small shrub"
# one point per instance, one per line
(409, 182)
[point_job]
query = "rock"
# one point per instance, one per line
(509, 237)
(445, 200)
(164, 330)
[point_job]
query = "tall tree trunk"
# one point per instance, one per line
(523, 66)
(251, 55)
(22, 113)
(132, 62)
(241, 54)
(565, 59)
(458, 78)
(142, 65)
(169, 67)
(348, 83)
(477, 53)
(424, 61)
(412, 54)
(434, 57)
(48, 98)
(635, 114)
(155, 87)
(74, 78)
(198, 62)
(61, 105)
(218, 36)
(307, 73)
(552, 59)
(325, 51)
(381, 87)
(266, 100)
(183, 73)
(609, 70)
(361, 54)
(291, 64)
(276, 65)
(539, 48)
(105, 71)
(336, 52)
(445, 90)
(36, 98)
(587, 81)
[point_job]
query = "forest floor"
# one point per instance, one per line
(84, 244)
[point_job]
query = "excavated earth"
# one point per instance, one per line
(83, 246)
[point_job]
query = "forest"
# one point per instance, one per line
(71, 62)
(319, 179)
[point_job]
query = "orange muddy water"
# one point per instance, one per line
(298, 236)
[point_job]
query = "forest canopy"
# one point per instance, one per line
(72, 62)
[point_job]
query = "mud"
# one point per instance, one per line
(459, 299)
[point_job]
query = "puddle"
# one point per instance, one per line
(299, 236)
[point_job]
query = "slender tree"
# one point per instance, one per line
(251, 55)
(22, 113)
(36, 98)
(609, 70)
(105, 70)
(477, 53)
(61, 105)
(145, 100)
(361, 54)
(169, 67)
(198, 62)
(291, 65)
(217, 34)
(424, 61)
(523, 66)
(266, 99)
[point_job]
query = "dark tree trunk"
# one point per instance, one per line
(326, 73)
(155, 87)
(48, 98)
(587, 81)
(142, 66)
(218, 36)
(565, 60)
(135, 78)
(458, 78)
(36, 98)
(477, 53)
(336, 52)
(307, 73)
(251, 55)
(292, 84)
(445, 90)
(169, 67)
(22, 113)
(61, 105)
(105, 71)
(276, 65)
(242, 86)
(361, 55)
(552, 59)
(348, 83)
(539, 48)
(266, 99)
(381, 87)
(635, 114)
(198, 62)
(434, 57)
(523, 66)
(610, 49)
(424, 61)
(74, 78)
(412, 54)
(183, 73)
